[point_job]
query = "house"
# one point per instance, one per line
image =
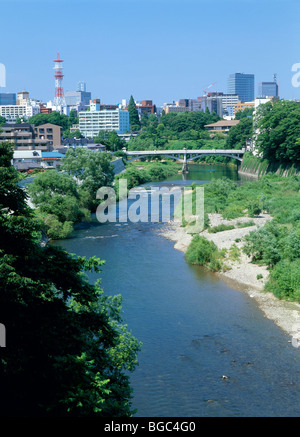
(24, 160)
(51, 160)
(221, 126)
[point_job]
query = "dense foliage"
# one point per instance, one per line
(278, 126)
(275, 245)
(68, 352)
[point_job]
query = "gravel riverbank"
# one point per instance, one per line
(242, 274)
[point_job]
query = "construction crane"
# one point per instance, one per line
(204, 91)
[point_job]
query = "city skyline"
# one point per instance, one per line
(149, 50)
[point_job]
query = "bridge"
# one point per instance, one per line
(184, 155)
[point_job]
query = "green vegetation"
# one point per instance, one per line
(220, 228)
(177, 131)
(239, 134)
(111, 140)
(138, 173)
(134, 119)
(205, 253)
(69, 352)
(278, 123)
(64, 199)
(275, 245)
(58, 201)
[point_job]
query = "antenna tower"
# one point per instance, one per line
(59, 92)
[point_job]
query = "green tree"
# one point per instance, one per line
(68, 351)
(92, 169)
(134, 119)
(54, 118)
(2, 120)
(278, 124)
(57, 197)
(239, 134)
(247, 112)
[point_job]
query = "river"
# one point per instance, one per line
(208, 350)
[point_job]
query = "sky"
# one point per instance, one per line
(160, 50)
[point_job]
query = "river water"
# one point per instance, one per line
(195, 329)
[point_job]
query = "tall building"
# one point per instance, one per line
(8, 99)
(241, 84)
(268, 89)
(93, 121)
(81, 86)
(74, 98)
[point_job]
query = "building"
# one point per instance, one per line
(51, 160)
(8, 99)
(25, 136)
(23, 98)
(49, 132)
(145, 107)
(240, 106)
(221, 126)
(242, 85)
(228, 102)
(13, 112)
(172, 107)
(75, 98)
(24, 160)
(93, 121)
(268, 89)
(261, 100)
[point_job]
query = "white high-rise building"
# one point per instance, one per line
(93, 121)
(13, 112)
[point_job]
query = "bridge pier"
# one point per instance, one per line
(185, 168)
(184, 165)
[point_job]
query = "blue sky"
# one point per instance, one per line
(162, 50)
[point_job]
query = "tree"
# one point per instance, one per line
(247, 112)
(68, 352)
(54, 118)
(2, 120)
(57, 197)
(278, 124)
(92, 169)
(239, 134)
(134, 119)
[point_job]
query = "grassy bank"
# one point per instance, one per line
(256, 166)
(276, 245)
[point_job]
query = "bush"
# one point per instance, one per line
(220, 228)
(284, 280)
(57, 230)
(205, 253)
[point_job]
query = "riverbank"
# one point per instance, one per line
(241, 274)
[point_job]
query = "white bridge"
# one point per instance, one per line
(184, 155)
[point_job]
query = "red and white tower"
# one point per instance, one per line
(59, 92)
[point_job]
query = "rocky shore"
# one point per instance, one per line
(241, 274)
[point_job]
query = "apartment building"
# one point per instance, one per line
(28, 137)
(93, 121)
(12, 112)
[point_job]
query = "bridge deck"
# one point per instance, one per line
(186, 151)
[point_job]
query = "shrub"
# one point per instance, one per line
(205, 253)
(220, 228)
(284, 280)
